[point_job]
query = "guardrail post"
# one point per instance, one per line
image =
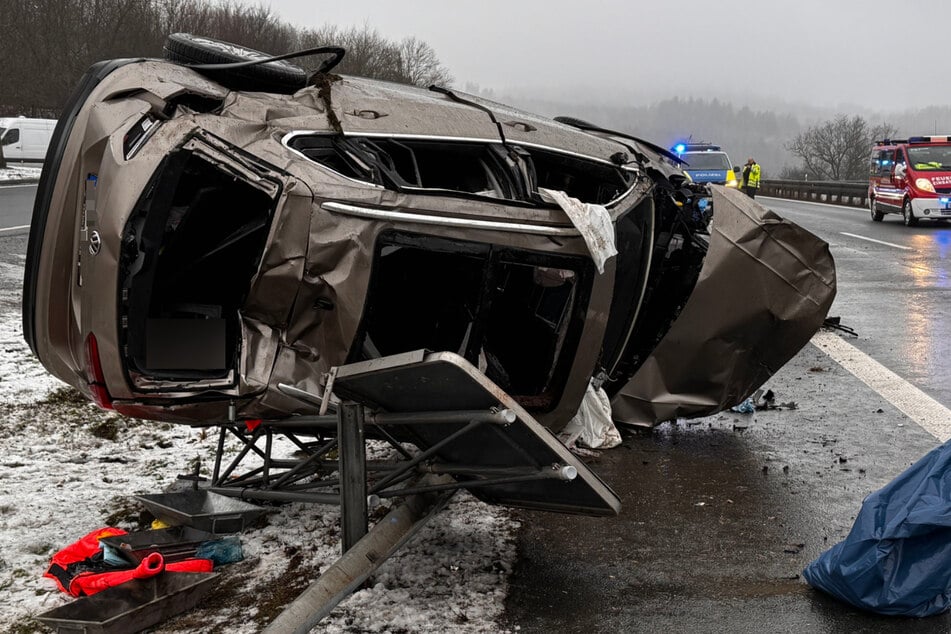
(353, 474)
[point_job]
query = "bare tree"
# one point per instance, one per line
(838, 149)
(419, 64)
(369, 54)
(48, 44)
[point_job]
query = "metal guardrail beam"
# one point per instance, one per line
(851, 193)
(356, 565)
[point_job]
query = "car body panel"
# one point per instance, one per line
(765, 288)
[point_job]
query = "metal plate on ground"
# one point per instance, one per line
(203, 510)
(443, 381)
(132, 606)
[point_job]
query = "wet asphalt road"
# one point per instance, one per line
(897, 299)
(16, 207)
(720, 515)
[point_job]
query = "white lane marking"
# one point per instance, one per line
(813, 202)
(14, 228)
(2, 186)
(889, 244)
(928, 413)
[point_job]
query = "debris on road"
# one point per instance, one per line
(592, 426)
(746, 407)
(835, 323)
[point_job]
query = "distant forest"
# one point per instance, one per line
(47, 44)
(741, 131)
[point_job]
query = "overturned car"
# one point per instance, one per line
(201, 235)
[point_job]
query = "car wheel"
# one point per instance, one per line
(278, 77)
(908, 214)
(876, 214)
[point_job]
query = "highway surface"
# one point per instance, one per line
(720, 515)
(894, 288)
(16, 208)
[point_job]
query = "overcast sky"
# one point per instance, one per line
(826, 53)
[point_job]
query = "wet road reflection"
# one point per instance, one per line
(897, 300)
(719, 516)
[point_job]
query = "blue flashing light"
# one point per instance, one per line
(679, 148)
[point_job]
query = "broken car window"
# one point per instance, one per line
(480, 169)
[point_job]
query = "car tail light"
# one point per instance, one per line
(97, 380)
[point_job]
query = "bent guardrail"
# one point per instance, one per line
(851, 193)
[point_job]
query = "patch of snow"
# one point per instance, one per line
(18, 172)
(22, 378)
(67, 466)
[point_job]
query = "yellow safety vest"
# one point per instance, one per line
(753, 180)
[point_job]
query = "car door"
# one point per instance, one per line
(888, 192)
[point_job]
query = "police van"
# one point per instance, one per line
(911, 177)
(706, 163)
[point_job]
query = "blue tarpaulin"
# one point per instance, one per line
(897, 558)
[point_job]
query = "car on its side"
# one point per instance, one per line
(201, 235)
(911, 177)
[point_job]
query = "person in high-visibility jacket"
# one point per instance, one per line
(751, 178)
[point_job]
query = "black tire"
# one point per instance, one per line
(876, 214)
(279, 77)
(908, 214)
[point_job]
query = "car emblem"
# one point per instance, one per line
(95, 243)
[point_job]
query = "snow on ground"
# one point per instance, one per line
(18, 172)
(67, 468)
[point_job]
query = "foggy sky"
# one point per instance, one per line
(831, 53)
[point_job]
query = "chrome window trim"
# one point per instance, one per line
(290, 135)
(446, 221)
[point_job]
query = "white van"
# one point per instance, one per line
(26, 139)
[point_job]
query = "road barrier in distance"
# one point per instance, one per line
(851, 193)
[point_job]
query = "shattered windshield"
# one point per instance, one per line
(707, 161)
(931, 157)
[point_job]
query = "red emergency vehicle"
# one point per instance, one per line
(911, 177)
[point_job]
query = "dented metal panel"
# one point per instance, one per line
(765, 287)
(373, 106)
